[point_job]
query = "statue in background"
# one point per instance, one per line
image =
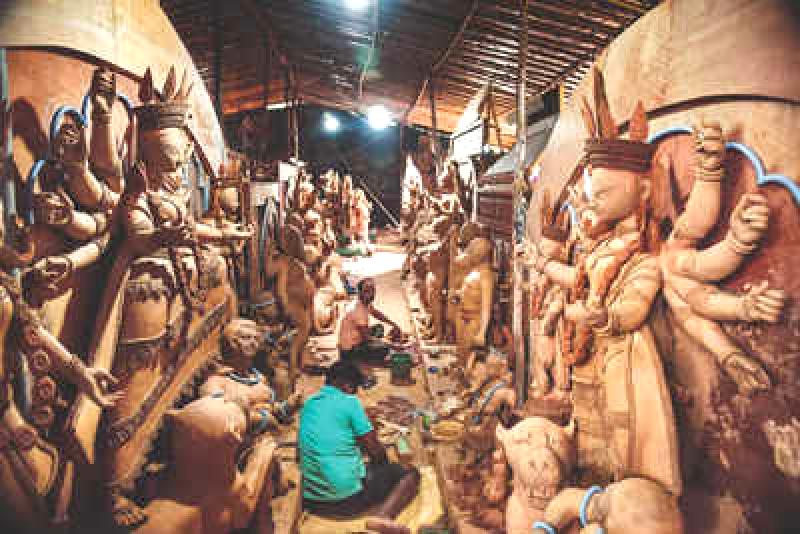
(294, 290)
(489, 400)
(360, 209)
(474, 300)
(225, 212)
(549, 371)
(435, 288)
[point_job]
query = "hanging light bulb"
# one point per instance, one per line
(330, 123)
(379, 117)
(357, 5)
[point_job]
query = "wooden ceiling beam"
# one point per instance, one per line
(546, 63)
(495, 40)
(256, 14)
(497, 73)
(454, 42)
(571, 48)
(571, 35)
(537, 65)
(543, 13)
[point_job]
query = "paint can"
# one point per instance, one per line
(400, 368)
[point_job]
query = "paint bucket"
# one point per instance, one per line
(377, 330)
(400, 368)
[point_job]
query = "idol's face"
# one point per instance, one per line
(167, 150)
(615, 194)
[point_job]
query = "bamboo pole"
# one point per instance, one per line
(219, 37)
(521, 361)
(434, 137)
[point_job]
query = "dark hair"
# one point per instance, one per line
(344, 372)
(360, 285)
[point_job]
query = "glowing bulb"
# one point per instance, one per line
(330, 123)
(379, 117)
(357, 5)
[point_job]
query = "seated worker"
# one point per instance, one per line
(334, 430)
(355, 342)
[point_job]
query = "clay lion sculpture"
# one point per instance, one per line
(206, 439)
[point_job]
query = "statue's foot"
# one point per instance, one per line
(386, 526)
(557, 395)
(125, 513)
(537, 393)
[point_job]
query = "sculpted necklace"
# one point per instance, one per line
(252, 380)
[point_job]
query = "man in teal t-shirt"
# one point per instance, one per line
(334, 429)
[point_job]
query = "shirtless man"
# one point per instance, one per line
(355, 341)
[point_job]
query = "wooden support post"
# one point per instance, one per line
(7, 155)
(439, 62)
(435, 136)
(267, 74)
(286, 100)
(219, 37)
(296, 119)
(521, 363)
(263, 130)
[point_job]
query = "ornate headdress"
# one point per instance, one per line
(170, 109)
(604, 148)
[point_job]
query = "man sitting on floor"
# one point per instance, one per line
(334, 429)
(355, 342)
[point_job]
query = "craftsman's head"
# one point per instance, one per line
(345, 376)
(366, 290)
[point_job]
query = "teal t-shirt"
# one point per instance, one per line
(330, 458)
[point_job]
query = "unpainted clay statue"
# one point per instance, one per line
(475, 300)
(435, 289)
(294, 290)
(621, 281)
(490, 399)
(204, 490)
(785, 443)
(319, 242)
(541, 456)
(237, 380)
(360, 218)
(36, 476)
(167, 294)
(630, 505)
(303, 198)
(689, 272)
(80, 206)
(458, 237)
(225, 213)
(346, 199)
(548, 370)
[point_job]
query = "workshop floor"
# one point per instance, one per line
(393, 403)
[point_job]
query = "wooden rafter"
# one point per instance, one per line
(436, 66)
(463, 44)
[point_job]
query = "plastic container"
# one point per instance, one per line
(400, 368)
(377, 330)
(404, 453)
